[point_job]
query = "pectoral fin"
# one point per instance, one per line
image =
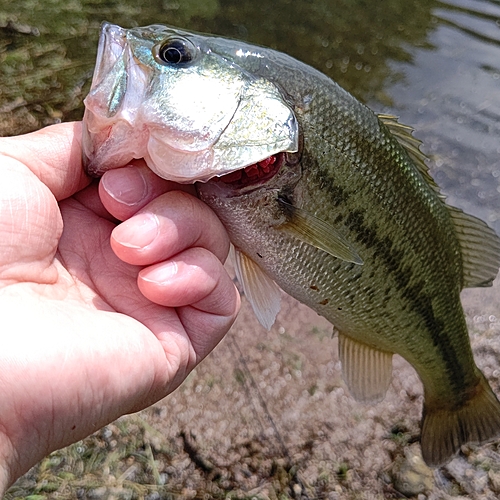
(261, 291)
(366, 371)
(313, 231)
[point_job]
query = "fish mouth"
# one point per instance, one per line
(257, 173)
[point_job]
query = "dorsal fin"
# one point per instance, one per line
(479, 244)
(480, 248)
(404, 135)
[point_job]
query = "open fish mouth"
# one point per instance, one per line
(256, 173)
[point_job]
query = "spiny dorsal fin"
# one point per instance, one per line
(480, 248)
(366, 371)
(261, 291)
(404, 135)
(317, 233)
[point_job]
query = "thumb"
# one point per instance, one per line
(37, 168)
(53, 154)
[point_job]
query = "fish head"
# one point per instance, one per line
(183, 103)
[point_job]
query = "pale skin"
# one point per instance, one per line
(98, 318)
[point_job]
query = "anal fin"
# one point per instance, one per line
(366, 371)
(261, 291)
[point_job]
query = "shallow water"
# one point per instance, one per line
(435, 64)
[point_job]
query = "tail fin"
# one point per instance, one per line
(445, 430)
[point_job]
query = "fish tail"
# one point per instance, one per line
(445, 430)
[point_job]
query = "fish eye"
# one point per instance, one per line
(173, 51)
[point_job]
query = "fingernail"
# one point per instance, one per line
(126, 185)
(137, 232)
(160, 274)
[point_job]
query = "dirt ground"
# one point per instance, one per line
(265, 400)
(267, 416)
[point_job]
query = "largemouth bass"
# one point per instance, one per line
(321, 198)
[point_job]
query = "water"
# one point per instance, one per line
(435, 64)
(451, 94)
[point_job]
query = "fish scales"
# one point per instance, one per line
(352, 306)
(394, 252)
(348, 221)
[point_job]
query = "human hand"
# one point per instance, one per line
(98, 320)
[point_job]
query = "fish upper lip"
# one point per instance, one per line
(109, 33)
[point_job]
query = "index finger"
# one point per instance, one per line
(124, 191)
